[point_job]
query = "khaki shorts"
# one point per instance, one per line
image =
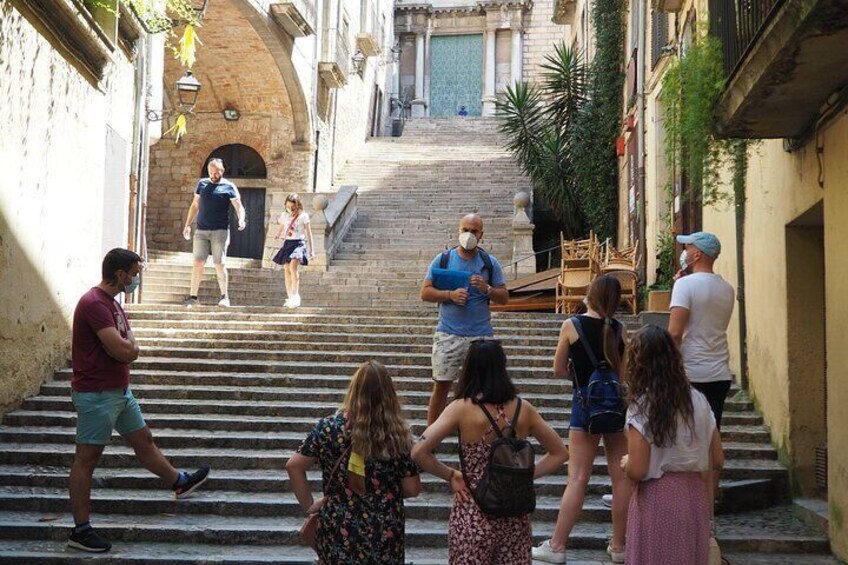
(211, 241)
(449, 353)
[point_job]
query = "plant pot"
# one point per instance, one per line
(659, 300)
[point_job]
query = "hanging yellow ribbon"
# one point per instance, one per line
(188, 46)
(179, 128)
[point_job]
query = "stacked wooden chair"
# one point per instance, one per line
(584, 260)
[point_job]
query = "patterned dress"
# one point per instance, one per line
(355, 529)
(476, 539)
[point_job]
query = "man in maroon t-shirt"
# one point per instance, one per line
(103, 348)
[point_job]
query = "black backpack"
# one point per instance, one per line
(603, 406)
(506, 488)
(487, 262)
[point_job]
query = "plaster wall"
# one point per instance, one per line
(62, 195)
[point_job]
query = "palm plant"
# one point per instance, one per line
(539, 122)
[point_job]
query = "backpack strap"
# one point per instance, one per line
(584, 342)
(492, 420)
(487, 261)
(514, 421)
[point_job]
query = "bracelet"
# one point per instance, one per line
(450, 477)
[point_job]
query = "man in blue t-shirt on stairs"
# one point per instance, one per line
(464, 314)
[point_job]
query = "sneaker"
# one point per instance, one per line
(194, 480)
(286, 303)
(225, 301)
(191, 301)
(615, 556)
(545, 554)
(88, 540)
(294, 301)
(607, 500)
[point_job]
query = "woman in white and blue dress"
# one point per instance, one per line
(298, 247)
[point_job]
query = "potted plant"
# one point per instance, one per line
(659, 293)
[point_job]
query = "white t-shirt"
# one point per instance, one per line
(709, 299)
(299, 225)
(690, 451)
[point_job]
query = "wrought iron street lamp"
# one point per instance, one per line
(188, 88)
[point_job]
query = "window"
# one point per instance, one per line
(659, 36)
(240, 161)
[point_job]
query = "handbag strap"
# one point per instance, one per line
(336, 466)
(290, 229)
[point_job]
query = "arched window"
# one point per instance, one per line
(240, 161)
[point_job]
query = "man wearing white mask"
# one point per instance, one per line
(464, 314)
(701, 306)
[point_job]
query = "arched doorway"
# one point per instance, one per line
(246, 168)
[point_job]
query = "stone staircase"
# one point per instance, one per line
(412, 192)
(239, 388)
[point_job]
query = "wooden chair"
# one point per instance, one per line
(620, 260)
(629, 288)
(571, 289)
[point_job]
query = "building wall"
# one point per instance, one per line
(58, 212)
(540, 36)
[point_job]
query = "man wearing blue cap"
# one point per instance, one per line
(701, 306)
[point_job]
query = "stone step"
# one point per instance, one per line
(758, 534)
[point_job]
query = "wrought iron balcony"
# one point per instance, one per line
(783, 60)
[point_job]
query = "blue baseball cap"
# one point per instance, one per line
(705, 241)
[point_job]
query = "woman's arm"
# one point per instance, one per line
(296, 468)
(281, 228)
(422, 452)
(716, 452)
(638, 457)
(561, 356)
(310, 239)
(557, 453)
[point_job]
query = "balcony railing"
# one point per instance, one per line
(738, 24)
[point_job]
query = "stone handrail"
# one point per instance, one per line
(333, 215)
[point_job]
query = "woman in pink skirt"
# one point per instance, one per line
(672, 440)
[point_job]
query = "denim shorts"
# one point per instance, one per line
(578, 417)
(98, 413)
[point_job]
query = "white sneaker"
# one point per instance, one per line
(225, 301)
(286, 303)
(545, 554)
(294, 301)
(607, 500)
(616, 556)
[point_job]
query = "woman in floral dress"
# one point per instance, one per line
(362, 520)
(475, 538)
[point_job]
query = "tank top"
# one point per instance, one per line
(593, 328)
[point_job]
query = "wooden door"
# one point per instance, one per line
(249, 243)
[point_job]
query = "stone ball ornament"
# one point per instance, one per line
(521, 200)
(320, 202)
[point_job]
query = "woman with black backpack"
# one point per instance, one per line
(589, 353)
(490, 519)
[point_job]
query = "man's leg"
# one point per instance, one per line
(220, 240)
(79, 485)
(438, 400)
(200, 250)
(150, 457)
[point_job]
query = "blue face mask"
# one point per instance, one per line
(130, 288)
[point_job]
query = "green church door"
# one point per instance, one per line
(456, 74)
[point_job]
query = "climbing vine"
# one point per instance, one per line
(692, 86)
(595, 161)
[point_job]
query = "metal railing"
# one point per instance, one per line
(738, 25)
(514, 264)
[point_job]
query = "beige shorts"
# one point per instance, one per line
(449, 353)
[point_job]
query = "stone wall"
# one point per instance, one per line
(540, 36)
(58, 211)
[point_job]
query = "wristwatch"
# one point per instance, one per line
(489, 290)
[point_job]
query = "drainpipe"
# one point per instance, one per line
(317, 53)
(642, 29)
(740, 164)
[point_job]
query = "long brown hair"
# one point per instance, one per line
(657, 383)
(377, 428)
(604, 297)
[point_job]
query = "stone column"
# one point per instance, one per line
(516, 55)
(418, 109)
(489, 84)
(522, 238)
(427, 69)
(396, 71)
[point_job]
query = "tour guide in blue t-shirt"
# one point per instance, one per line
(463, 312)
(211, 206)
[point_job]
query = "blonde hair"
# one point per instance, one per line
(377, 428)
(295, 199)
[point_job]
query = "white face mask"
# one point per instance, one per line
(468, 241)
(683, 264)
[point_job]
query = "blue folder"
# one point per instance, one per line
(449, 279)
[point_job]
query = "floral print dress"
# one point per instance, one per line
(475, 538)
(355, 529)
